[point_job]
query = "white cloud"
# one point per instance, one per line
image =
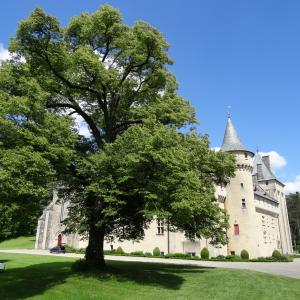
(216, 149)
(293, 187)
(277, 160)
(4, 54)
(82, 126)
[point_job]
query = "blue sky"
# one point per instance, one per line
(245, 54)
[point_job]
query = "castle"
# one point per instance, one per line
(254, 200)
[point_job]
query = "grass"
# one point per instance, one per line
(22, 242)
(48, 277)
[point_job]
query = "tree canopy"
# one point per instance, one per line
(293, 206)
(34, 146)
(137, 163)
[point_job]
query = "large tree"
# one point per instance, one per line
(136, 163)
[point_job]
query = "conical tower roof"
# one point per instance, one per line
(232, 141)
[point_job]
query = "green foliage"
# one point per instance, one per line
(178, 255)
(272, 259)
(276, 254)
(137, 253)
(70, 249)
(34, 148)
(119, 250)
(204, 253)
(293, 207)
(156, 251)
(244, 254)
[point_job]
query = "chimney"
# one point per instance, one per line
(266, 160)
(259, 172)
(254, 179)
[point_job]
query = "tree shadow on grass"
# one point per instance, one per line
(21, 283)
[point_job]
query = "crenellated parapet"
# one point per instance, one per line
(245, 167)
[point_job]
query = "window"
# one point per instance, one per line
(232, 253)
(242, 185)
(160, 226)
(236, 229)
(267, 182)
(246, 155)
(243, 203)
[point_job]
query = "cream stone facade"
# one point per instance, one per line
(254, 199)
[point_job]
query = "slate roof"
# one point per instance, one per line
(262, 193)
(267, 174)
(232, 141)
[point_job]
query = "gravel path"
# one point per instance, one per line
(291, 269)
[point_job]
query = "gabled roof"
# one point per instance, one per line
(259, 191)
(231, 141)
(267, 174)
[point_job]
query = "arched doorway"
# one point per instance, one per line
(59, 240)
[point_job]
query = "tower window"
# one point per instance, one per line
(236, 229)
(243, 203)
(160, 226)
(246, 155)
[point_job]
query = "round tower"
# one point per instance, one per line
(239, 202)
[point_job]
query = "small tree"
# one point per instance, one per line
(156, 251)
(276, 254)
(244, 254)
(204, 253)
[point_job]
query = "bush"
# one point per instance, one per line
(219, 257)
(120, 250)
(277, 255)
(148, 254)
(244, 254)
(137, 253)
(178, 255)
(156, 251)
(233, 257)
(204, 253)
(70, 249)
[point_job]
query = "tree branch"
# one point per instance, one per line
(84, 115)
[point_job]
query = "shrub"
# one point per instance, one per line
(156, 251)
(219, 257)
(70, 249)
(204, 253)
(178, 255)
(120, 250)
(233, 258)
(277, 255)
(244, 254)
(148, 254)
(137, 253)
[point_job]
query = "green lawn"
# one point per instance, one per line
(48, 277)
(23, 242)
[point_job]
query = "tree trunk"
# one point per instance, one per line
(94, 255)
